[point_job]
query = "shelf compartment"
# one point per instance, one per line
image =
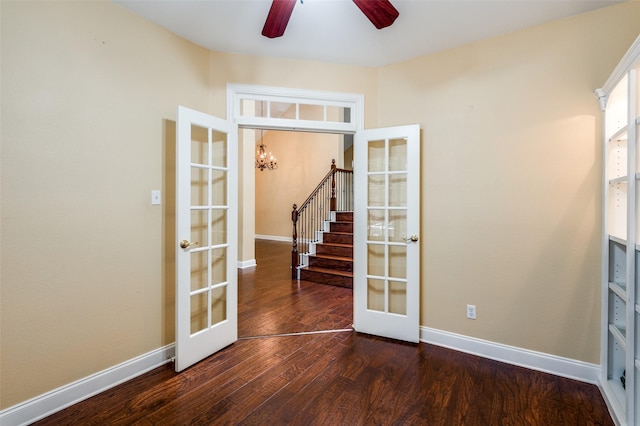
(618, 316)
(618, 262)
(617, 210)
(617, 104)
(617, 155)
(616, 363)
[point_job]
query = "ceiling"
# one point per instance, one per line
(337, 31)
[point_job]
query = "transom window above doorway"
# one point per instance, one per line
(289, 109)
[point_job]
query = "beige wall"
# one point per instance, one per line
(303, 160)
(511, 170)
(279, 72)
(89, 97)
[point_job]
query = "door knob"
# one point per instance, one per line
(186, 244)
(412, 238)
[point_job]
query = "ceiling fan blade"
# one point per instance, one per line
(381, 13)
(278, 18)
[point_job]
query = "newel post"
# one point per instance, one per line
(294, 249)
(333, 204)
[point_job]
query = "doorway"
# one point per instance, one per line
(303, 159)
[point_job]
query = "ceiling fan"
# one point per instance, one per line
(381, 13)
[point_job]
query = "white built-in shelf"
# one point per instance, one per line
(620, 100)
(620, 135)
(619, 289)
(621, 179)
(618, 332)
(618, 240)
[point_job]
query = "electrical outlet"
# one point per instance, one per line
(471, 311)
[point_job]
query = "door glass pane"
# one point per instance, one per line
(218, 188)
(375, 225)
(218, 304)
(218, 227)
(375, 259)
(398, 261)
(398, 154)
(398, 190)
(199, 145)
(199, 270)
(397, 225)
(199, 195)
(398, 297)
(376, 156)
(375, 294)
(219, 149)
(218, 266)
(376, 190)
(199, 318)
(312, 112)
(199, 228)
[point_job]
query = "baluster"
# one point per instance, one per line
(303, 240)
(294, 250)
(333, 185)
(341, 191)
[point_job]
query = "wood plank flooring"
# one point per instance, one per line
(337, 378)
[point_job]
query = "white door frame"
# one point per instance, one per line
(238, 93)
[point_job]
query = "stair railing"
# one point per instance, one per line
(333, 193)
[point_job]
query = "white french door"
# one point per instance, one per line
(387, 227)
(206, 236)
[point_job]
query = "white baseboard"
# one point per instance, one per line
(272, 238)
(246, 264)
(51, 402)
(564, 367)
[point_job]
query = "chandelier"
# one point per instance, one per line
(265, 160)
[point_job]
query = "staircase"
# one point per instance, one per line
(331, 259)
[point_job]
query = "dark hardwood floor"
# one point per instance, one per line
(269, 302)
(333, 378)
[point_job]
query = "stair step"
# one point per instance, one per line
(344, 216)
(334, 249)
(337, 237)
(344, 227)
(327, 276)
(339, 263)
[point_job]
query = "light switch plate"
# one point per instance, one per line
(155, 197)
